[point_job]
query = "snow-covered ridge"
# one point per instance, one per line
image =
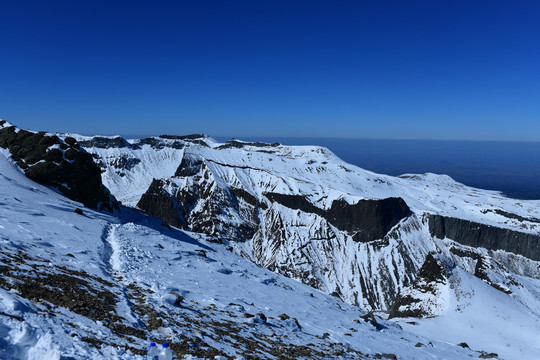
(101, 286)
(304, 213)
(314, 172)
(227, 191)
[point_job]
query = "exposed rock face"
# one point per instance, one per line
(486, 269)
(183, 137)
(189, 166)
(105, 143)
(423, 298)
(200, 207)
(63, 165)
(481, 235)
(157, 202)
(240, 144)
(365, 221)
(180, 140)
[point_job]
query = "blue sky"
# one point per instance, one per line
(467, 70)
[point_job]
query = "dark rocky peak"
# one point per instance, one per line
(159, 203)
(183, 137)
(198, 142)
(237, 144)
(159, 143)
(105, 142)
(197, 139)
(61, 164)
(200, 207)
(189, 166)
(433, 270)
(416, 301)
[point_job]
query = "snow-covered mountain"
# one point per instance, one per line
(462, 261)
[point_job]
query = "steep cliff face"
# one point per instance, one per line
(302, 212)
(365, 221)
(475, 234)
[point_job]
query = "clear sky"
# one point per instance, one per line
(433, 69)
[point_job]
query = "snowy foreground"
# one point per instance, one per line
(98, 286)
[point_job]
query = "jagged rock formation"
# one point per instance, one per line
(424, 298)
(58, 163)
(157, 202)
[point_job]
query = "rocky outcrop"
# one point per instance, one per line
(183, 137)
(58, 163)
(105, 143)
(474, 234)
(159, 203)
(422, 299)
(189, 166)
(235, 144)
(200, 207)
(484, 268)
(180, 140)
(365, 221)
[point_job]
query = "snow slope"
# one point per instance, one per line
(481, 316)
(98, 286)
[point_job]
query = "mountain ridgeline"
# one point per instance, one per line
(302, 212)
(375, 241)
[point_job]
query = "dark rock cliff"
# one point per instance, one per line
(474, 234)
(365, 221)
(61, 164)
(158, 203)
(189, 166)
(432, 272)
(241, 144)
(105, 143)
(199, 208)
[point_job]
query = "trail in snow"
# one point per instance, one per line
(107, 251)
(111, 248)
(111, 255)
